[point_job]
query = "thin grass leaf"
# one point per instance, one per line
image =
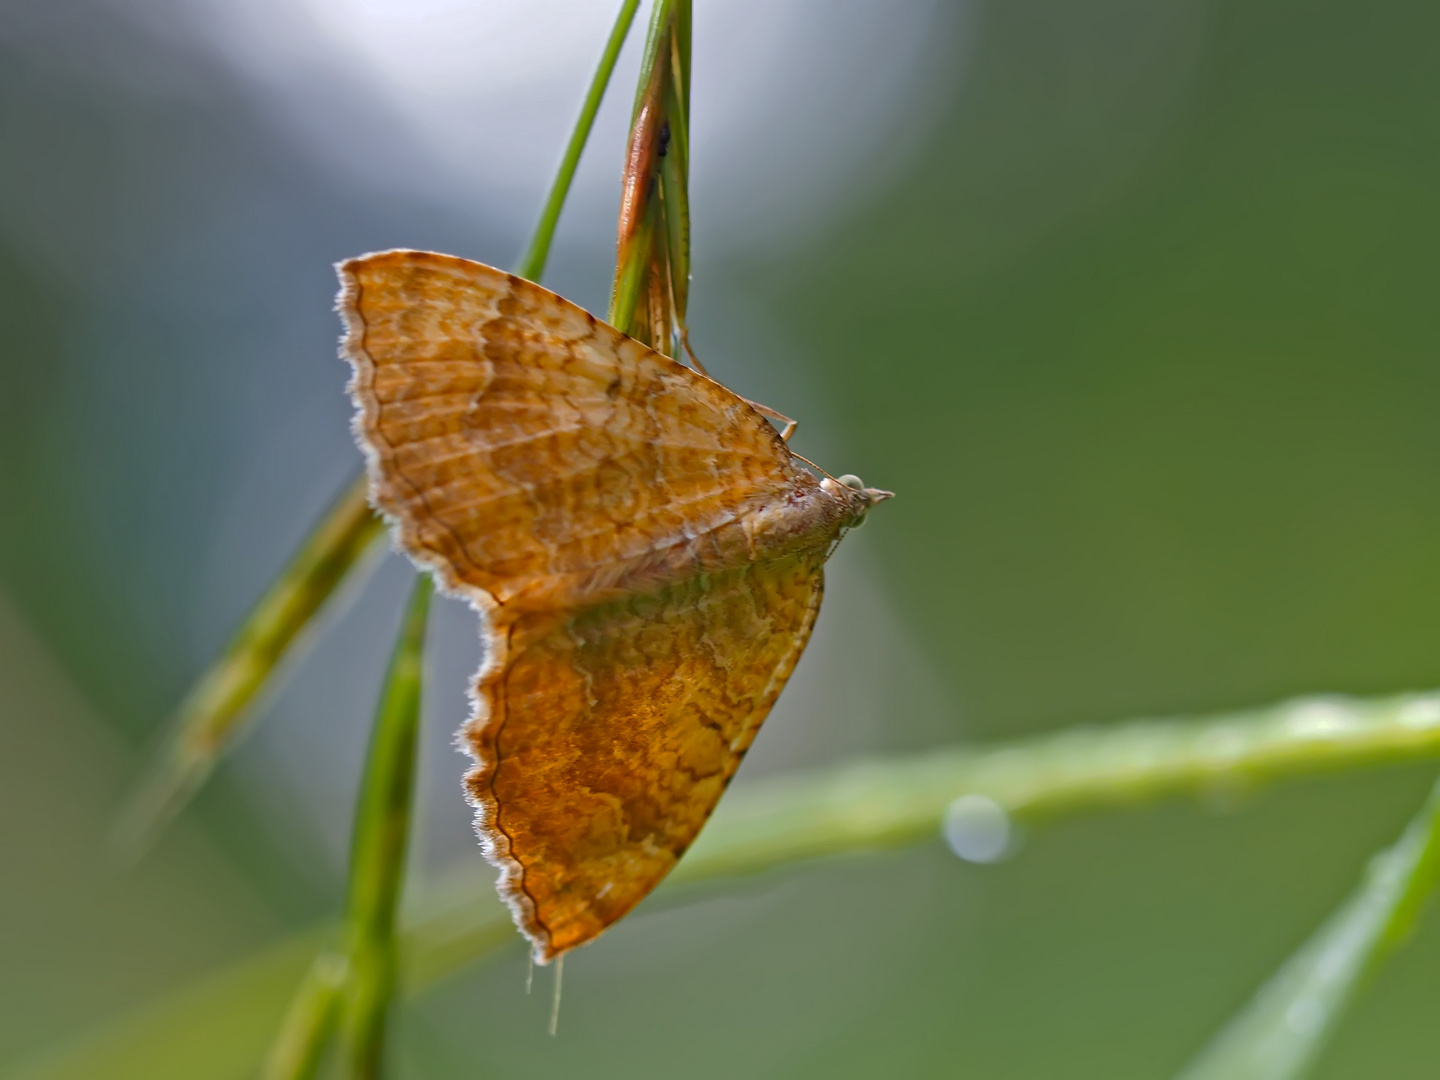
(1280, 1033)
(354, 987)
(674, 211)
(781, 822)
(213, 713)
(632, 278)
(532, 264)
(675, 166)
(377, 853)
(300, 1047)
(877, 804)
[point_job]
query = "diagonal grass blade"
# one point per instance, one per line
(213, 714)
(1279, 1034)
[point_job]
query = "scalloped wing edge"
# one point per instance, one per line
(494, 843)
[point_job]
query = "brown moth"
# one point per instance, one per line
(645, 552)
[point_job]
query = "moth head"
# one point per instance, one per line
(851, 490)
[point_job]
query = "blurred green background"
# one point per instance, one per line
(1131, 301)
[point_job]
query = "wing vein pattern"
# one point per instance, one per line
(613, 517)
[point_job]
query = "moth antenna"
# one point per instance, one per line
(812, 465)
(555, 1001)
(530, 973)
(683, 332)
(681, 328)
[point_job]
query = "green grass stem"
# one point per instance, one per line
(674, 177)
(377, 852)
(630, 273)
(299, 1048)
(213, 713)
(883, 803)
(532, 264)
(353, 988)
(655, 202)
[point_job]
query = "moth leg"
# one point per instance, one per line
(765, 410)
(685, 341)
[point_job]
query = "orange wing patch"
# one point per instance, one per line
(525, 449)
(643, 548)
(608, 735)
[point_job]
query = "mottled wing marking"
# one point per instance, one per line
(597, 503)
(613, 731)
(523, 447)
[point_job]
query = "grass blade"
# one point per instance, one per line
(299, 1048)
(532, 264)
(652, 252)
(1280, 1033)
(675, 167)
(877, 804)
(213, 713)
(632, 275)
(377, 853)
(354, 988)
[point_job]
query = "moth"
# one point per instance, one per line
(644, 550)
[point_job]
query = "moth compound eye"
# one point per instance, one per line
(853, 482)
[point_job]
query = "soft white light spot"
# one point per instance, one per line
(977, 829)
(1305, 1015)
(1223, 743)
(798, 105)
(1421, 713)
(1317, 719)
